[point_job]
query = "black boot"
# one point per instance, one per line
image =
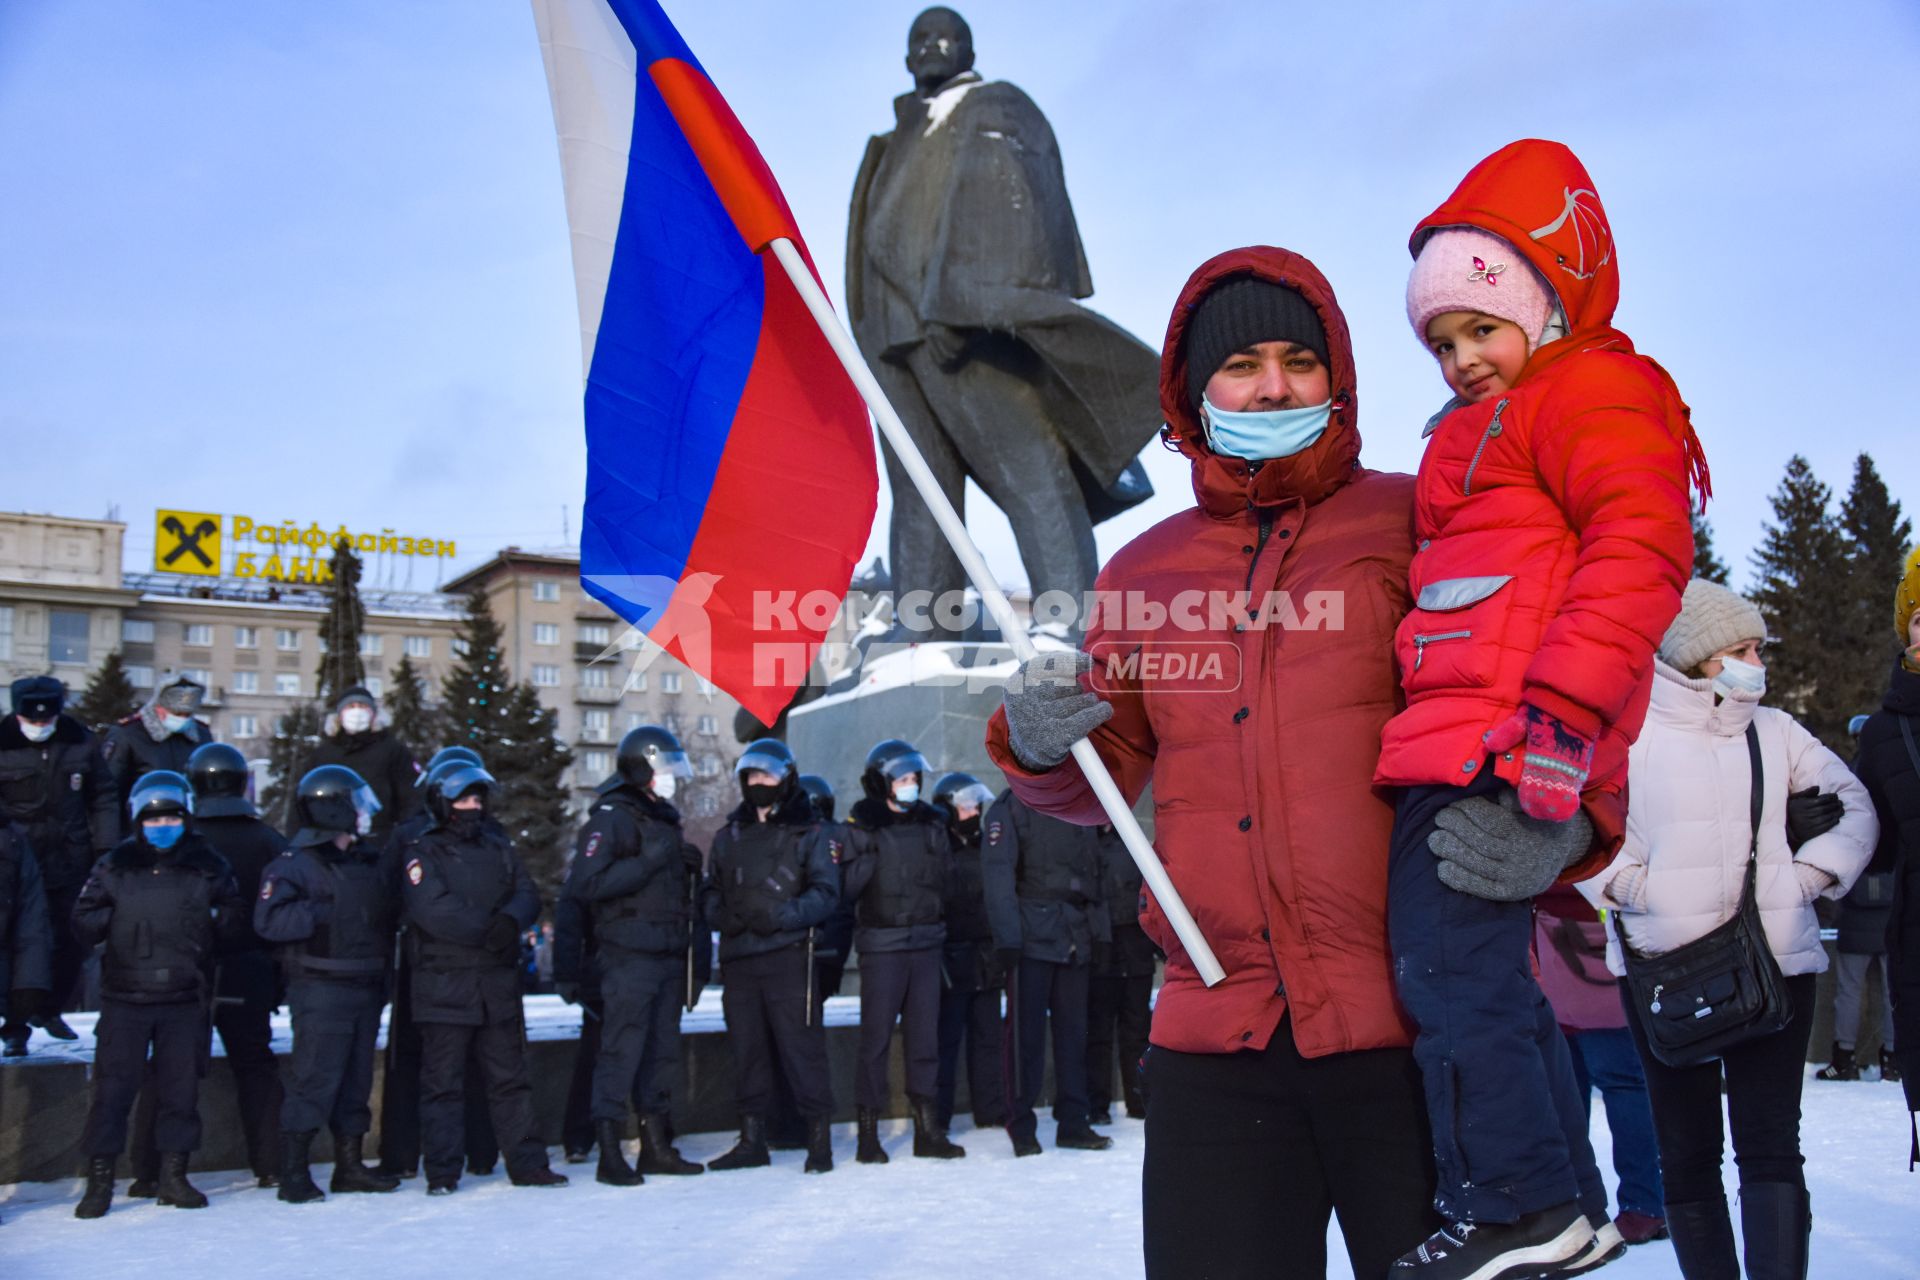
(57, 1027)
(99, 1192)
(868, 1150)
(657, 1153)
(820, 1144)
(1843, 1066)
(930, 1139)
(1702, 1235)
(173, 1187)
(350, 1172)
(614, 1169)
(14, 1036)
(748, 1153)
(1080, 1137)
(1776, 1222)
(296, 1180)
(1889, 1069)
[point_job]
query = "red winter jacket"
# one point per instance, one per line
(1264, 807)
(1553, 523)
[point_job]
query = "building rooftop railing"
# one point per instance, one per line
(291, 595)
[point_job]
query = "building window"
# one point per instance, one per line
(636, 718)
(199, 634)
(546, 592)
(671, 723)
(594, 678)
(419, 646)
(370, 644)
(286, 639)
(140, 677)
(246, 727)
(708, 725)
(67, 636)
(246, 637)
(375, 686)
(706, 806)
(706, 685)
(596, 633)
(246, 682)
(546, 675)
(287, 684)
(135, 631)
(598, 764)
(709, 766)
(6, 631)
(459, 646)
(669, 682)
(546, 633)
(597, 726)
(637, 682)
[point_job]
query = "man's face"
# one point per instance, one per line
(1270, 375)
(938, 48)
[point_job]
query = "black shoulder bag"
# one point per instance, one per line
(1699, 1000)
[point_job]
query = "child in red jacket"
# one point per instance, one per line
(1551, 514)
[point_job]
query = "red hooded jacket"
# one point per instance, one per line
(1552, 521)
(1265, 811)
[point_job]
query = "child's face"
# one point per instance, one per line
(1480, 355)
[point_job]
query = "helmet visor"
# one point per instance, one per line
(161, 797)
(673, 762)
(903, 764)
(765, 761)
(973, 796)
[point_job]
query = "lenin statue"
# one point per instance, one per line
(963, 266)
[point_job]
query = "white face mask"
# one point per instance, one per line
(356, 718)
(1740, 677)
(664, 785)
(37, 732)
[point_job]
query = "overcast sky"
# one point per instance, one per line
(310, 261)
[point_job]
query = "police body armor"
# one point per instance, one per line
(758, 871)
(1060, 866)
(908, 876)
(160, 940)
(966, 905)
(480, 880)
(655, 918)
(357, 940)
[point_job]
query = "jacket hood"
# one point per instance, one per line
(1227, 486)
(66, 732)
(873, 814)
(1538, 197)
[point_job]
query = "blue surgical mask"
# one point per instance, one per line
(1260, 435)
(906, 795)
(163, 836)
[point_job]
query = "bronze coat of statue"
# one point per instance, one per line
(963, 266)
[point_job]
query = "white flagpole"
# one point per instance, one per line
(996, 601)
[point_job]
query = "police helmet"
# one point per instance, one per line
(647, 750)
(219, 776)
(158, 794)
(956, 789)
(769, 755)
(445, 755)
(332, 800)
(458, 780)
(888, 762)
(819, 795)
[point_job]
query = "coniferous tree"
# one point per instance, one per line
(416, 724)
(340, 665)
(295, 739)
(1800, 583)
(1877, 535)
(109, 695)
(530, 762)
(1707, 564)
(474, 694)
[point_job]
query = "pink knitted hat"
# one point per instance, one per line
(1466, 269)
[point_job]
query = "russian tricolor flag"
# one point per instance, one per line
(729, 458)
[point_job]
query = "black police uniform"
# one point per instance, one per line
(768, 884)
(333, 913)
(130, 751)
(1120, 999)
(248, 992)
(896, 876)
(26, 934)
(161, 913)
(970, 999)
(59, 792)
(1044, 899)
(631, 875)
(466, 899)
(384, 763)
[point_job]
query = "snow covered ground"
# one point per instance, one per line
(1061, 1213)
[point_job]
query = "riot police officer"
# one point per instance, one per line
(970, 998)
(631, 875)
(400, 1083)
(247, 985)
(832, 944)
(771, 882)
(26, 937)
(1044, 900)
(466, 900)
(159, 736)
(53, 784)
(1120, 1002)
(331, 905)
(162, 900)
(896, 877)
(355, 737)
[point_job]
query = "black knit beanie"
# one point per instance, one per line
(1240, 313)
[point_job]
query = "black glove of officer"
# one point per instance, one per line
(1007, 960)
(503, 934)
(1811, 813)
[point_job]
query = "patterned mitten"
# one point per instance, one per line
(1554, 766)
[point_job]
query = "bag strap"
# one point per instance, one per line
(1906, 732)
(1754, 805)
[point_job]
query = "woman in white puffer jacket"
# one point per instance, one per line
(1680, 874)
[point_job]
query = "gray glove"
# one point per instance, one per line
(1048, 711)
(1492, 850)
